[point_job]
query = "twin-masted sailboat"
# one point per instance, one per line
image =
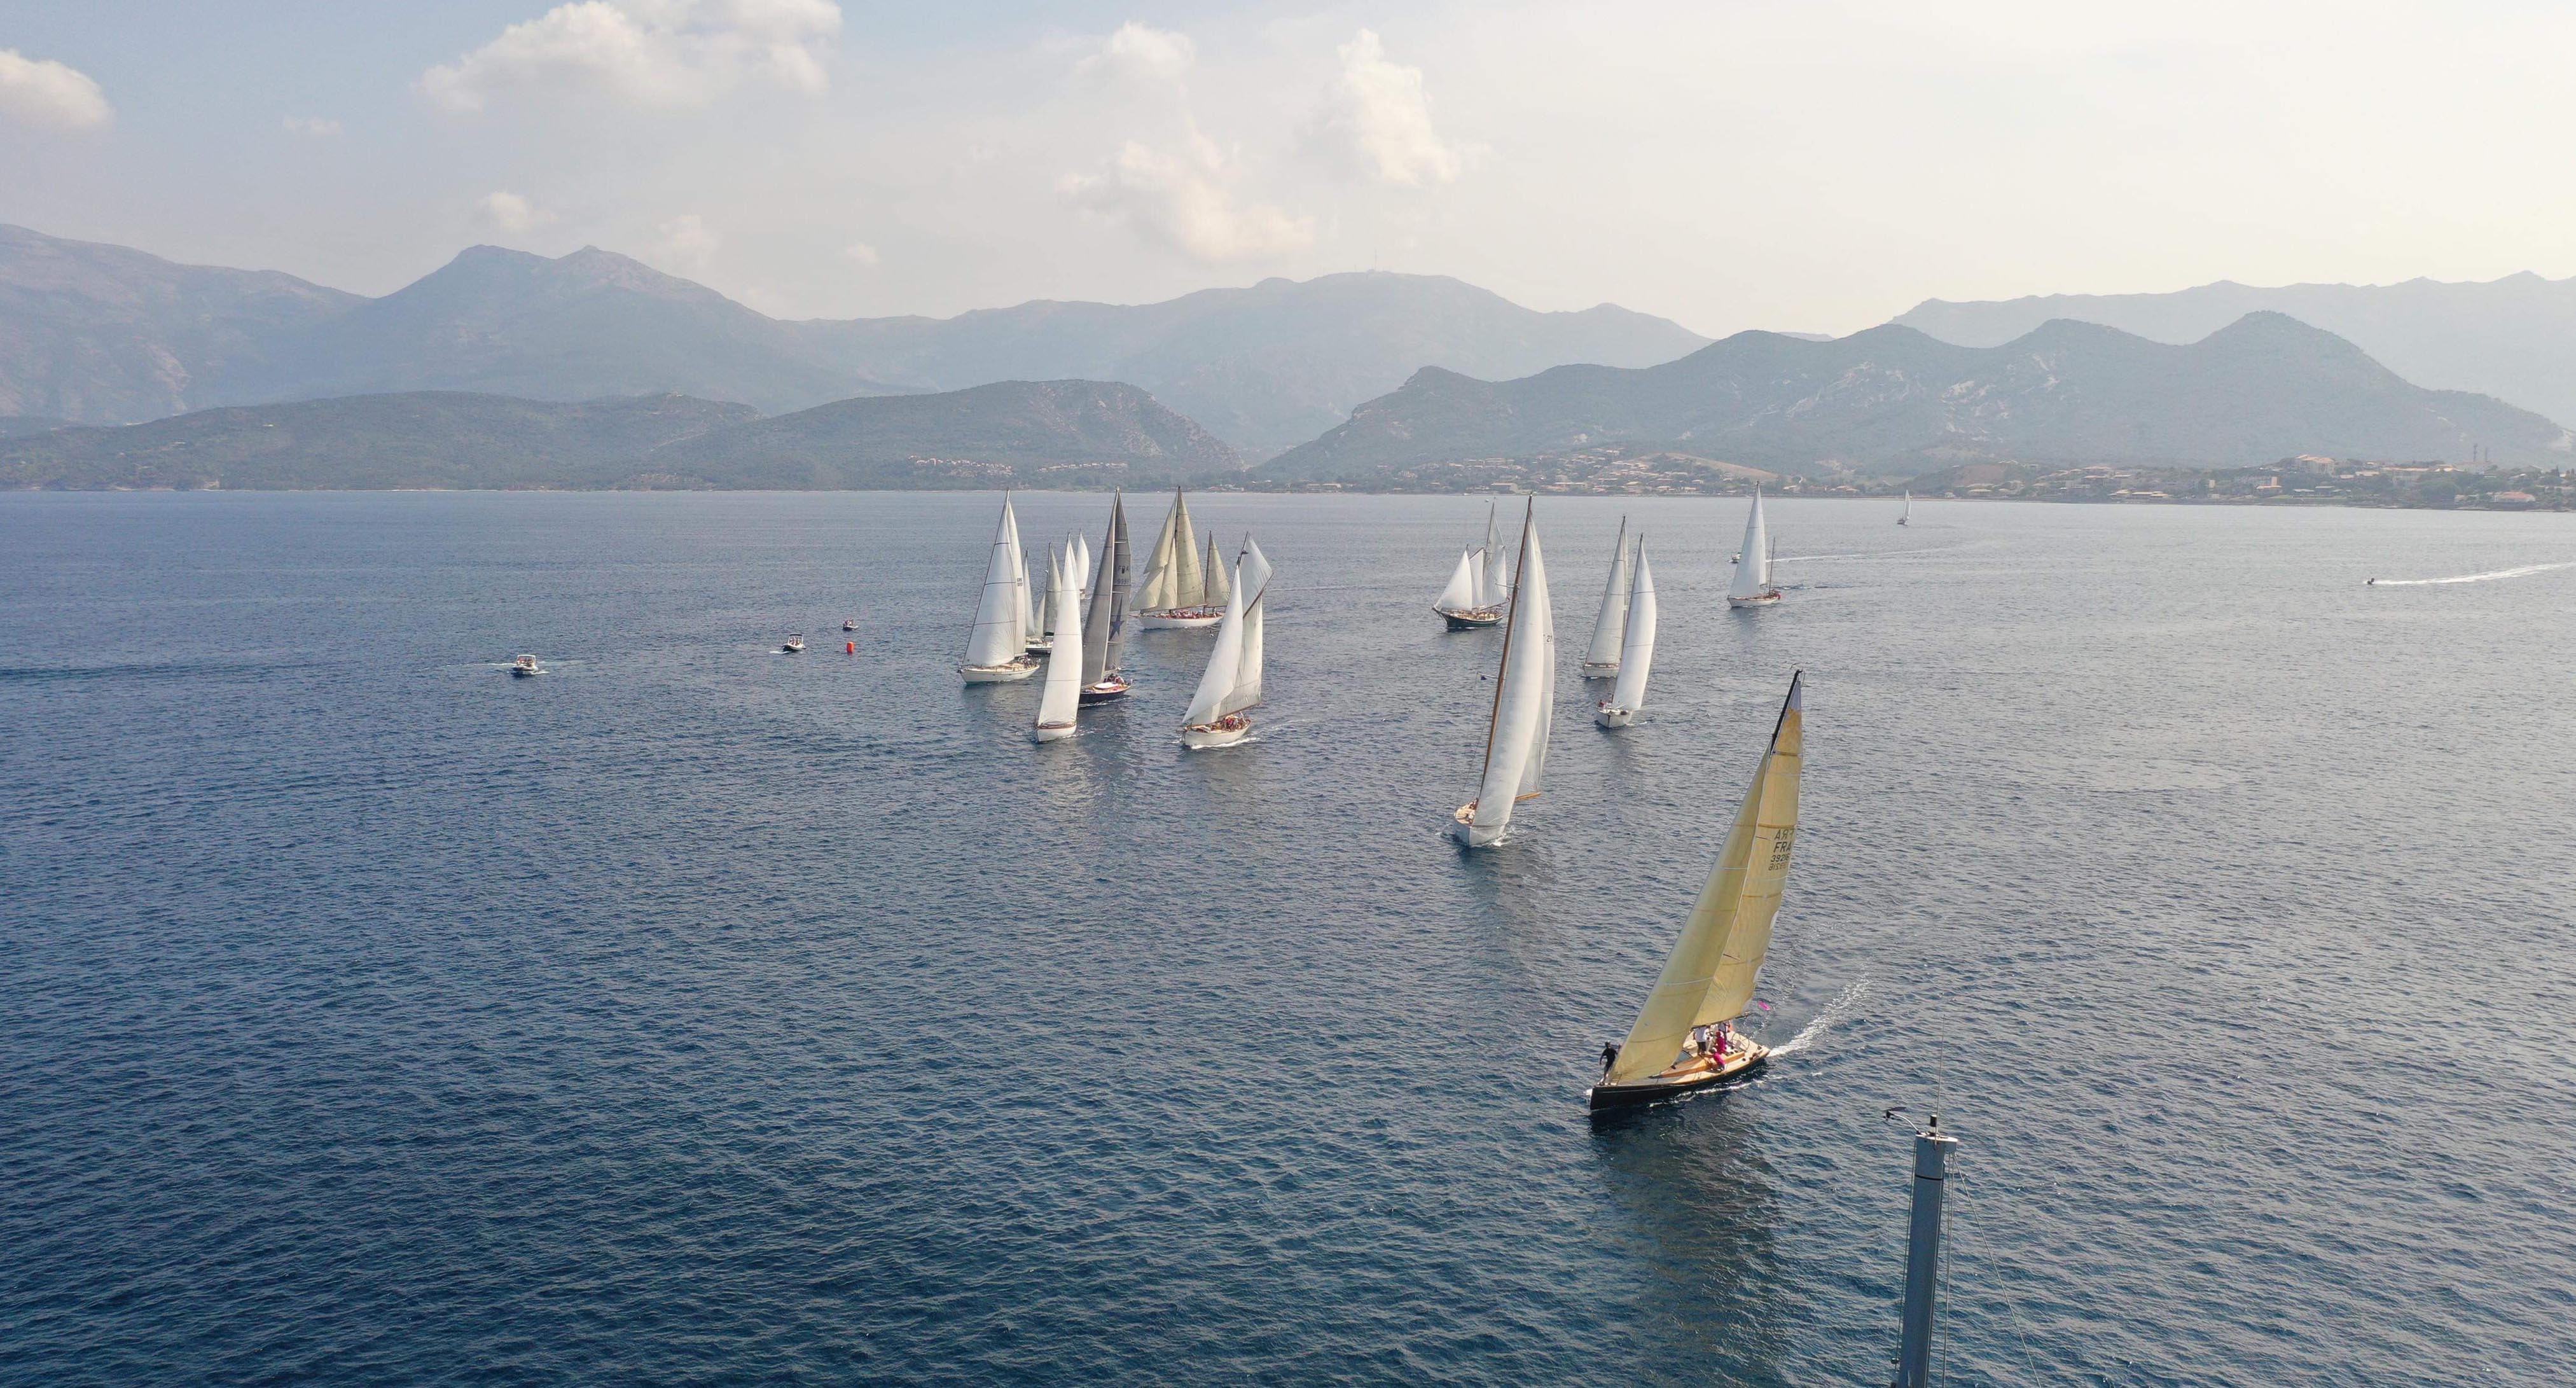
(998, 648)
(1217, 715)
(1636, 649)
(1683, 1039)
(1752, 586)
(1478, 587)
(1181, 588)
(1524, 701)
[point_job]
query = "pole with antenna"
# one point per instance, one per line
(1923, 1254)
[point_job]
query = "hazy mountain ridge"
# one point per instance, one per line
(1894, 400)
(1264, 367)
(2512, 338)
(1077, 432)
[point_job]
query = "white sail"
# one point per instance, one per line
(1188, 587)
(1460, 595)
(1516, 742)
(1216, 589)
(1637, 648)
(1477, 558)
(1753, 562)
(1156, 594)
(1908, 516)
(1051, 607)
(1252, 584)
(996, 639)
(1714, 965)
(1019, 572)
(1063, 693)
(1610, 625)
(1497, 587)
(1216, 685)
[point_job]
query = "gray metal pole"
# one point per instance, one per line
(1923, 1255)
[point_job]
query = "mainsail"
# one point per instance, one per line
(1019, 572)
(1252, 584)
(1460, 595)
(1103, 640)
(1156, 594)
(1213, 592)
(1189, 584)
(1063, 694)
(1711, 973)
(1753, 562)
(1610, 626)
(1217, 684)
(1637, 648)
(1497, 577)
(996, 639)
(1057, 600)
(1524, 698)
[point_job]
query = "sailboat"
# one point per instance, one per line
(1051, 604)
(1753, 586)
(998, 649)
(1524, 702)
(1907, 516)
(1252, 579)
(1104, 628)
(1636, 651)
(1682, 1040)
(1610, 626)
(1062, 697)
(1233, 680)
(1176, 587)
(1477, 588)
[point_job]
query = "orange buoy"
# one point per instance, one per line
(849, 648)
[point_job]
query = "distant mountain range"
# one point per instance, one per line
(1011, 433)
(2513, 338)
(105, 335)
(1892, 400)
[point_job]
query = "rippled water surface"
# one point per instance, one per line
(698, 1013)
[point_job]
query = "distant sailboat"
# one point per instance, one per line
(1062, 697)
(1636, 651)
(1475, 594)
(998, 649)
(1907, 516)
(1609, 628)
(1175, 592)
(1215, 717)
(1682, 1040)
(1104, 627)
(1753, 586)
(1524, 703)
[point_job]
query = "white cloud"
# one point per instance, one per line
(688, 242)
(861, 253)
(318, 127)
(1181, 201)
(1379, 117)
(42, 92)
(652, 53)
(1141, 53)
(513, 213)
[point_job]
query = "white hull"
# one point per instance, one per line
(1463, 828)
(1609, 717)
(1759, 600)
(1600, 669)
(1019, 669)
(1041, 645)
(1187, 619)
(1114, 687)
(1200, 737)
(1050, 732)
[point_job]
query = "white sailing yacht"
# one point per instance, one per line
(1753, 586)
(998, 648)
(1524, 702)
(1062, 697)
(1477, 588)
(1610, 626)
(1906, 517)
(1104, 627)
(1683, 1039)
(1175, 592)
(1636, 651)
(1206, 723)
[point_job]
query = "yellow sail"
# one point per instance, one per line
(1710, 976)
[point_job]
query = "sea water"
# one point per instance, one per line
(698, 1013)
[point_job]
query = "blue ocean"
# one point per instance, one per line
(702, 1014)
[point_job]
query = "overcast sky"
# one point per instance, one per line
(1812, 165)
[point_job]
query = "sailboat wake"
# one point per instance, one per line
(2524, 572)
(1834, 1012)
